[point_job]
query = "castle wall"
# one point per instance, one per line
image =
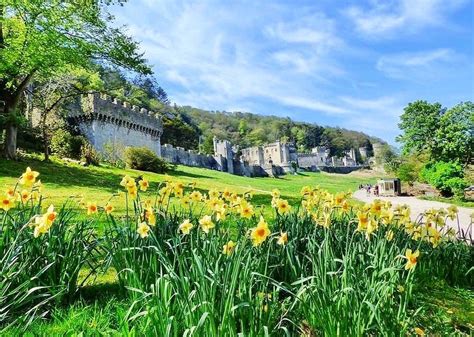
(178, 155)
(111, 125)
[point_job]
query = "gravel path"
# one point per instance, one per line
(419, 206)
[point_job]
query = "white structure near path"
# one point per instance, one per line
(419, 206)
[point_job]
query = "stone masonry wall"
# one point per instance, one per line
(111, 125)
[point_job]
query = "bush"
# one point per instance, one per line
(89, 155)
(142, 158)
(445, 176)
(64, 144)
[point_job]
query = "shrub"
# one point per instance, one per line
(64, 144)
(89, 155)
(142, 158)
(448, 177)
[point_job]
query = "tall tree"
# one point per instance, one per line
(52, 94)
(419, 123)
(37, 37)
(455, 135)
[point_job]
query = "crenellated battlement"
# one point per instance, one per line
(109, 110)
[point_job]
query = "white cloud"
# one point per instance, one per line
(423, 64)
(386, 18)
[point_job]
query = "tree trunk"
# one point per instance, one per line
(46, 151)
(10, 141)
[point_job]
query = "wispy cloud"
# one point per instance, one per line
(382, 19)
(417, 65)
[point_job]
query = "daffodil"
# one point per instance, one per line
(246, 210)
(126, 181)
(376, 207)
(29, 177)
(132, 191)
(143, 229)
(50, 215)
(363, 220)
(260, 233)
(91, 208)
(10, 192)
(185, 227)
(144, 184)
(276, 193)
(213, 193)
(282, 206)
(419, 332)
(185, 200)
(6, 203)
(371, 228)
(412, 258)
(282, 239)
(44, 222)
(226, 194)
(338, 199)
(108, 208)
(389, 235)
(452, 212)
(228, 248)
(206, 223)
(150, 216)
(25, 196)
(196, 196)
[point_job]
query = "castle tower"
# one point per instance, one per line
(110, 125)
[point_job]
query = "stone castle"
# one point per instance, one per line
(111, 126)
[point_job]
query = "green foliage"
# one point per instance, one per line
(247, 129)
(64, 144)
(444, 135)
(419, 122)
(455, 135)
(448, 177)
(89, 155)
(142, 158)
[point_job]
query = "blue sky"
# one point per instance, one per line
(353, 64)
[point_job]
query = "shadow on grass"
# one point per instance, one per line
(179, 173)
(65, 175)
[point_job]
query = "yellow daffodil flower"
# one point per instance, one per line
(412, 258)
(91, 208)
(206, 223)
(282, 206)
(185, 227)
(24, 195)
(143, 229)
(228, 248)
(260, 233)
(144, 184)
(29, 177)
(246, 210)
(389, 235)
(282, 239)
(6, 203)
(108, 208)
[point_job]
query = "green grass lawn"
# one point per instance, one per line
(63, 181)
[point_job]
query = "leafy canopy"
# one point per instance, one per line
(446, 135)
(38, 36)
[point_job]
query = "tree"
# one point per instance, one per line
(50, 95)
(39, 37)
(419, 123)
(455, 135)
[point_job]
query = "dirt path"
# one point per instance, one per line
(418, 206)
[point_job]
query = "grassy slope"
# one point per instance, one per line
(63, 181)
